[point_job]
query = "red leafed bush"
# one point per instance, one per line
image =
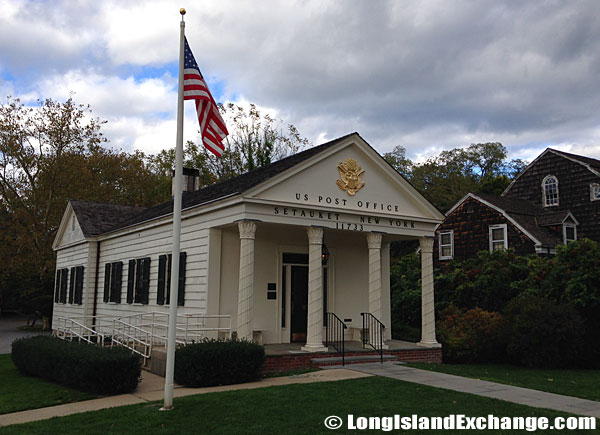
(475, 335)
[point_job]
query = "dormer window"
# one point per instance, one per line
(594, 192)
(569, 233)
(550, 189)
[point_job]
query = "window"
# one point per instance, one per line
(138, 281)
(76, 285)
(594, 192)
(569, 233)
(113, 279)
(446, 242)
(498, 238)
(163, 293)
(550, 188)
(73, 223)
(60, 286)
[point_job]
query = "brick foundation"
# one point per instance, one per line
(287, 362)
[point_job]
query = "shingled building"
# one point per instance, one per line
(554, 200)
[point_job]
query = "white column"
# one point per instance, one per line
(314, 332)
(427, 299)
(246, 286)
(386, 301)
(375, 296)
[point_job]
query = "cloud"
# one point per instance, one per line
(425, 75)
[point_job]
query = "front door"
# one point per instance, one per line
(299, 303)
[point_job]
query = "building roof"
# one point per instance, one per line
(527, 216)
(103, 218)
(593, 163)
(95, 218)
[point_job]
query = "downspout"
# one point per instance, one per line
(95, 305)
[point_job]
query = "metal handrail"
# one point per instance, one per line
(129, 340)
(372, 333)
(334, 334)
(67, 329)
(140, 330)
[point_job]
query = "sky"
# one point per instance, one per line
(426, 75)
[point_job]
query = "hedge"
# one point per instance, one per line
(218, 362)
(86, 367)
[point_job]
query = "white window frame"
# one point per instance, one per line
(490, 232)
(544, 197)
(569, 225)
(594, 192)
(446, 257)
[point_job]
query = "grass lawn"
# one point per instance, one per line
(291, 409)
(577, 383)
(18, 392)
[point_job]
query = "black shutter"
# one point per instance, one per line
(168, 297)
(181, 283)
(160, 289)
(63, 285)
(131, 281)
(116, 284)
(106, 297)
(139, 270)
(72, 286)
(79, 285)
(57, 287)
(145, 280)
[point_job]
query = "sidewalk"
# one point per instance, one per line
(523, 396)
(151, 389)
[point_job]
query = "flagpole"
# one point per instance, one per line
(178, 184)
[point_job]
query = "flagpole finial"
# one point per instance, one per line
(182, 11)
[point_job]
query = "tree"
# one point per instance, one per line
(48, 154)
(480, 168)
(397, 158)
(254, 141)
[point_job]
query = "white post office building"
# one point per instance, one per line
(274, 249)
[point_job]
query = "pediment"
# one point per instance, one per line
(69, 232)
(331, 180)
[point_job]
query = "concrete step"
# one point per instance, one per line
(355, 359)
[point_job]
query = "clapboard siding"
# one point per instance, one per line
(153, 242)
(73, 256)
(574, 181)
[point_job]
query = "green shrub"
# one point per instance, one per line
(475, 335)
(488, 281)
(218, 362)
(544, 334)
(405, 278)
(99, 370)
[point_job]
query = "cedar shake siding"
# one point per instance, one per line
(470, 223)
(575, 174)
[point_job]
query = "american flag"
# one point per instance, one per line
(195, 88)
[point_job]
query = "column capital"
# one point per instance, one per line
(315, 235)
(426, 244)
(247, 229)
(374, 240)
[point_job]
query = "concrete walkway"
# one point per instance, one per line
(523, 396)
(151, 389)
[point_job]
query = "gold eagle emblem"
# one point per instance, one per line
(350, 176)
